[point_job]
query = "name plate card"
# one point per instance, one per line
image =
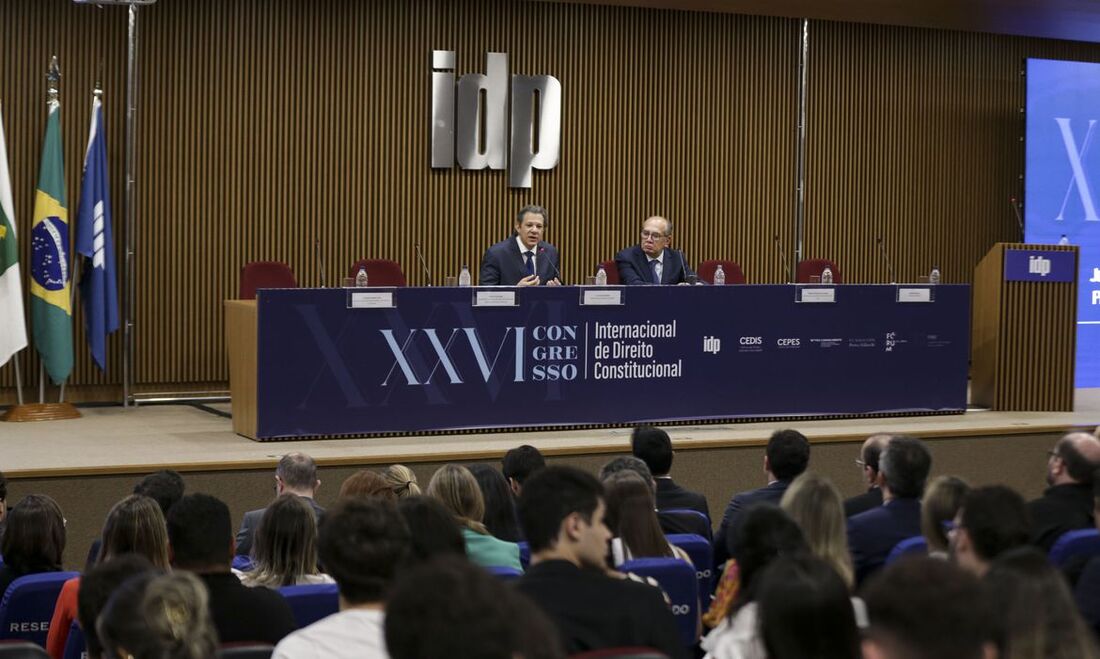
(922, 294)
(607, 297)
(495, 298)
(825, 295)
(370, 300)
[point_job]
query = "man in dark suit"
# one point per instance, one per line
(786, 456)
(653, 446)
(649, 262)
(905, 463)
(1067, 504)
(562, 510)
(525, 259)
(868, 460)
(296, 474)
(992, 520)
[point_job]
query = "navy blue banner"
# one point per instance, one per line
(670, 353)
(1040, 265)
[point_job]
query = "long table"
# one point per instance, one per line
(306, 362)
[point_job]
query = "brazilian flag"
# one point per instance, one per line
(51, 301)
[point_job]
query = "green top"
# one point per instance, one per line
(487, 551)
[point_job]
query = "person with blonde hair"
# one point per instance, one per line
(941, 502)
(285, 546)
(367, 483)
(457, 489)
(402, 481)
(159, 617)
(815, 504)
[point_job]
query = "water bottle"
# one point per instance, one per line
(1064, 240)
(464, 276)
(827, 275)
(361, 277)
(601, 276)
(719, 276)
(934, 276)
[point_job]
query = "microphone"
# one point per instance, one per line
(1019, 220)
(689, 279)
(886, 257)
(423, 264)
(542, 250)
(320, 263)
(782, 258)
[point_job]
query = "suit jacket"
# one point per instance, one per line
(725, 541)
(593, 611)
(671, 496)
(247, 614)
(861, 503)
(1061, 508)
(1087, 594)
(251, 521)
(504, 265)
(871, 535)
(634, 268)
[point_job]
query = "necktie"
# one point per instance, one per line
(656, 275)
(529, 261)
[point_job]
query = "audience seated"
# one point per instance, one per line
(367, 483)
(362, 542)
(450, 608)
(1035, 611)
(805, 610)
(561, 510)
(402, 481)
(1067, 504)
(632, 519)
(456, 488)
(684, 521)
(786, 456)
(200, 536)
(134, 525)
(295, 474)
(500, 504)
(925, 608)
(285, 546)
(96, 587)
(814, 503)
(34, 539)
(992, 520)
(156, 617)
(3, 502)
(868, 461)
(518, 465)
(165, 487)
(432, 528)
(942, 499)
(1087, 588)
(904, 464)
(653, 446)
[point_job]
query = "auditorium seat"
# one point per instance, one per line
(21, 650)
(612, 271)
(915, 545)
(75, 647)
(311, 602)
(504, 573)
(1082, 542)
(27, 606)
(685, 520)
(734, 275)
(813, 268)
(524, 554)
(265, 274)
(380, 272)
(245, 651)
(702, 555)
(243, 563)
(679, 581)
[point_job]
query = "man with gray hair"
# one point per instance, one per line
(1067, 504)
(904, 467)
(295, 474)
(672, 521)
(649, 262)
(868, 461)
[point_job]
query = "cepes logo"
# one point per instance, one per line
(788, 343)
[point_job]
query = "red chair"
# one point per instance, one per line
(380, 272)
(731, 268)
(612, 271)
(813, 268)
(265, 274)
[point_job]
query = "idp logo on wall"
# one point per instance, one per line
(475, 124)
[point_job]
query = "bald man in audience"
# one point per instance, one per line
(868, 461)
(1066, 505)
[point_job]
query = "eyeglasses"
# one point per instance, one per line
(1053, 454)
(652, 234)
(861, 464)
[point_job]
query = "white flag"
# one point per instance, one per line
(13, 325)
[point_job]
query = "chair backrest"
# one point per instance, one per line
(21, 650)
(1082, 542)
(75, 645)
(265, 274)
(380, 272)
(311, 602)
(504, 572)
(702, 556)
(686, 520)
(678, 580)
(27, 606)
(245, 651)
(915, 545)
(524, 554)
(612, 271)
(813, 268)
(243, 563)
(732, 269)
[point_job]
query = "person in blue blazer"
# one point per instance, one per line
(525, 259)
(652, 261)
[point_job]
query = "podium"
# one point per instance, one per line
(1023, 339)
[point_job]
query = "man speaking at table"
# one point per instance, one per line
(525, 259)
(649, 262)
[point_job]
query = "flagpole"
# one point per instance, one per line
(18, 379)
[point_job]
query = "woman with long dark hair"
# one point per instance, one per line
(500, 507)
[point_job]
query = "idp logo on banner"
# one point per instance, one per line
(477, 121)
